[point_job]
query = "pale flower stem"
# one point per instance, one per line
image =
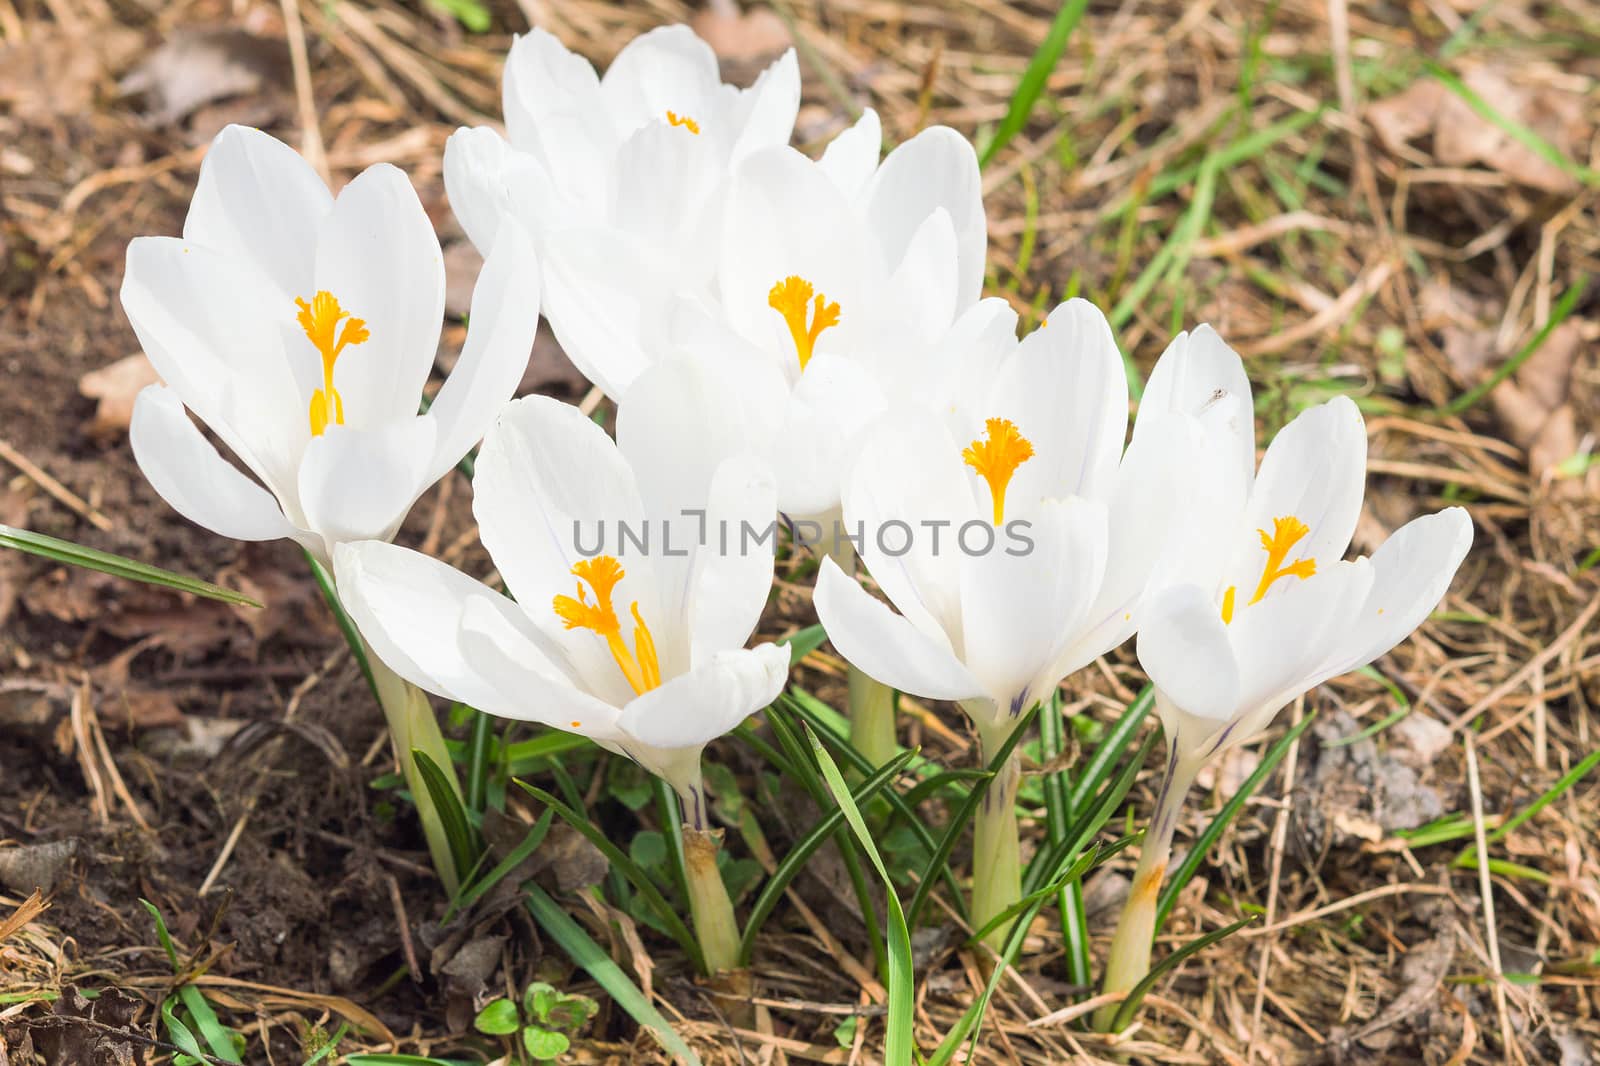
(870, 703)
(709, 904)
(1129, 960)
(996, 855)
(413, 726)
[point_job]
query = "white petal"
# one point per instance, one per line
(1315, 469)
(1184, 647)
(504, 319)
(183, 467)
(476, 162)
(605, 295)
(936, 168)
(214, 329)
(1198, 375)
(923, 296)
(851, 158)
(1411, 573)
(258, 200)
(908, 473)
(666, 69)
(358, 484)
(1066, 390)
(503, 651)
(409, 608)
(667, 195)
(554, 111)
(694, 709)
(1020, 610)
(548, 481)
(378, 255)
(768, 108)
(732, 572)
(833, 404)
(886, 646)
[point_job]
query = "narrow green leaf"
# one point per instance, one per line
(218, 1037)
(1129, 1006)
(347, 625)
(630, 870)
(802, 851)
(480, 743)
(1558, 315)
(1060, 856)
(1185, 870)
(1033, 80)
(589, 955)
(514, 858)
(899, 1043)
(162, 934)
(458, 830)
(803, 642)
(1111, 750)
(179, 1033)
(330, 1047)
(1500, 832)
(65, 551)
(1518, 132)
(1058, 812)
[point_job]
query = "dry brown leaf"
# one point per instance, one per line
(740, 38)
(54, 73)
(197, 67)
(116, 387)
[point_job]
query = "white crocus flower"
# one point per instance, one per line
(1262, 606)
(620, 179)
(638, 582)
(301, 328)
(1014, 559)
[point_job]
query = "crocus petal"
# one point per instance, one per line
(768, 108)
(378, 255)
(257, 199)
(475, 165)
(732, 573)
(1194, 376)
(409, 608)
(551, 98)
(666, 196)
(923, 297)
(851, 158)
(1067, 392)
(358, 484)
(1315, 469)
(666, 69)
(936, 168)
(504, 319)
(1411, 573)
(693, 709)
(183, 467)
(214, 331)
(907, 497)
(503, 652)
(831, 406)
(1183, 646)
(1019, 610)
(604, 294)
(885, 645)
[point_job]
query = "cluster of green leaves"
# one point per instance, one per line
(538, 1028)
(186, 1011)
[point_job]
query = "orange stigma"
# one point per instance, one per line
(320, 319)
(997, 458)
(791, 298)
(640, 666)
(684, 121)
(1287, 531)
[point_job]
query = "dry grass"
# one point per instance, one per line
(1296, 174)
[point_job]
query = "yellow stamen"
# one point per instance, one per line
(997, 458)
(790, 298)
(320, 319)
(675, 119)
(640, 666)
(1287, 531)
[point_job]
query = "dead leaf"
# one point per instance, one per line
(1461, 137)
(54, 73)
(742, 38)
(36, 867)
(193, 68)
(116, 387)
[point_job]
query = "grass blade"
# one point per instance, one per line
(898, 1043)
(1136, 995)
(1523, 135)
(458, 831)
(1202, 844)
(589, 955)
(1558, 315)
(1058, 812)
(1032, 83)
(65, 551)
(514, 858)
(1111, 749)
(802, 851)
(623, 864)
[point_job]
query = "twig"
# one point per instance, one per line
(60, 492)
(1280, 833)
(1486, 893)
(310, 132)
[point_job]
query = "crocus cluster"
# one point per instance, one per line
(789, 341)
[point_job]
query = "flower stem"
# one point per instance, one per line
(1129, 961)
(413, 727)
(870, 702)
(996, 857)
(709, 904)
